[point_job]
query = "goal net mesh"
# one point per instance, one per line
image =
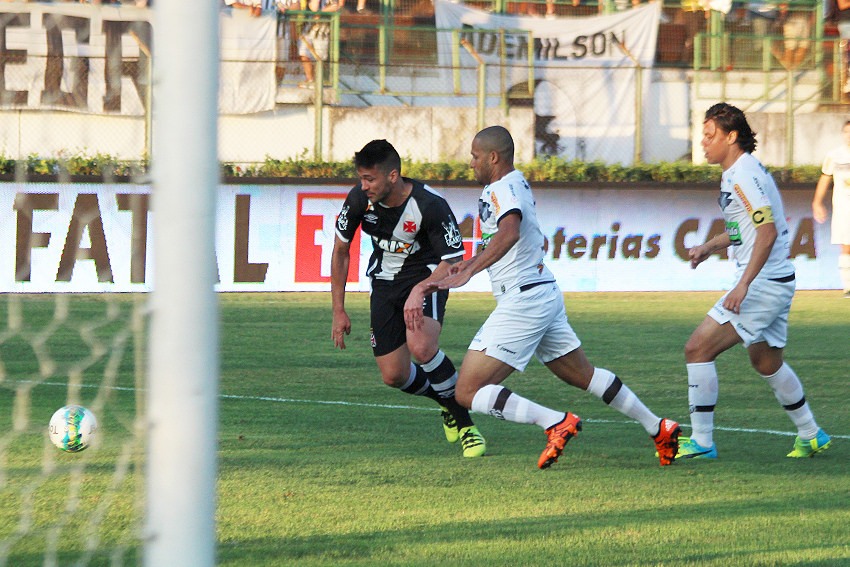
(60, 508)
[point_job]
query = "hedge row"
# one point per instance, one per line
(549, 169)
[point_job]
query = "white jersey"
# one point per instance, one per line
(749, 198)
(523, 263)
(837, 164)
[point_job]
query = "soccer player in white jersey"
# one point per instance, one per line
(836, 169)
(529, 317)
(415, 238)
(755, 311)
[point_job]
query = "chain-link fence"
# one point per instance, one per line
(75, 79)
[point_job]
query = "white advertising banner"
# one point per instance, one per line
(95, 238)
(584, 70)
(621, 39)
(95, 59)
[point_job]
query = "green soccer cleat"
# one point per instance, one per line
(802, 448)
(449, 426)
(472, 441)
(690, 449)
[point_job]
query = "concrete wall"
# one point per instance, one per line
(423, 134)
(50, 134)
(814, 134)
(672, 120)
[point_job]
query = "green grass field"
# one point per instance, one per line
(321, 464)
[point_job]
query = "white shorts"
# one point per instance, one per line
(318, 36)
(764, 313)
(525, 323)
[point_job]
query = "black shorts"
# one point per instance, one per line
(386, 305)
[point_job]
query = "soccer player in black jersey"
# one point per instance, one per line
(415, 238)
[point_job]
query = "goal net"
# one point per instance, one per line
(107, 285)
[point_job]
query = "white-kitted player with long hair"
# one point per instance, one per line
(755, 311)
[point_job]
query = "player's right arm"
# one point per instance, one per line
(339, 274)
(818, 208)
(346, 225)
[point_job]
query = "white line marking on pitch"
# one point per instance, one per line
(388, 406)
(391, 406)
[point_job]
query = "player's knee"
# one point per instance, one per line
(464, 394)
(422, 353)
(766, 366)
(393, 379)
(694, 351)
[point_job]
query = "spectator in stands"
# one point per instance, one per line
(763, 16)
(796, 24)
(255, 6)
(617, 5)
(287, 36)
(839, 11)
(316, 34)
(692, 16)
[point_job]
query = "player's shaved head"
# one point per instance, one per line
(497, 139)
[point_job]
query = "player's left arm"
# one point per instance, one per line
(765, 238)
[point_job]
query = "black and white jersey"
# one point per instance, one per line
(408, 241)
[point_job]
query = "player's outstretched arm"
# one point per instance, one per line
(698, 254)
(498, 246)
(339, 274)
(413, 316)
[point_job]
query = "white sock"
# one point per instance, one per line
(501, 403)
(702, 397)
(844, 270)
(789, 392)
(611, 390)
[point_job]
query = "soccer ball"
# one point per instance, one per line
(72, 428)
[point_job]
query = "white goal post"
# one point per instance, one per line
(182, 411)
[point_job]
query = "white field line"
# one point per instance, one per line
(402, 407)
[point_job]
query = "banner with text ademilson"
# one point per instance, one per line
(584, 70)
(97, 238)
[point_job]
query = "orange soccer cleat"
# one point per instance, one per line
(667, 441)
(559, 434)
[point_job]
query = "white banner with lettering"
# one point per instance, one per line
(95, 59)
(94, 238)
(584, 71)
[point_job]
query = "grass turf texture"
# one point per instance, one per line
(370, 480)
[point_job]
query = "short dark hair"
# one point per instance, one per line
(731, 119)
(378, 153)
(497, 139)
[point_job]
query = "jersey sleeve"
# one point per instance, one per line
(443, 231)
(755, 201)
(504, 201)
(828, 164)
(351, 214)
